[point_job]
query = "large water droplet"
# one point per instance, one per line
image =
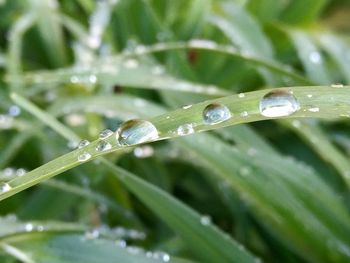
(278, 103)
(4, 187)
(205, 220)
(136, 131)
(216, 113)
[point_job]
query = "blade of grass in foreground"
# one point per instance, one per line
(185, 121)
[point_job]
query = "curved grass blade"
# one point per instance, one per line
(168, 125)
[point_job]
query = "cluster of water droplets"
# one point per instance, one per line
(8, 174)
(7, 118)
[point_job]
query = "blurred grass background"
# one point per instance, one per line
(279, 188)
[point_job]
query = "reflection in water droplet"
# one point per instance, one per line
(216, 113)
(278, 103)
(84, 157)
(185, 129)
(4, 187)
(103, 146)
(83, 143)
(105, 134)
(136, 131)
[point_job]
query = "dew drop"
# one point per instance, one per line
(309, 95)
(215, 113)
(84, 157)
(187, 107)
(83, 144)
(28, 227)
(205, 220)
(14, 110)
(136, 131)
(20, 172)
(185, 129)
(278, 103)
(314, 109)
(241, 95)
(244, 114)
(315, 57)
(4, 187)
(105, 134)
(103, 146)
(337, 85)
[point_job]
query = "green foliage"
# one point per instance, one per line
(248, 185)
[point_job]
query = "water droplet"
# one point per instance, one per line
(84, 157)
(20, 172)
(278, 103)
(74, 79)
(14, 111)
(136, 131)
(122, 243)
(158, 70)
(241, 95)
(92, 79)
(105, 134)
(161, 255)
(205, 220)
(28, 227)
(309, 95)
(315, 57)
(337, 85)
(4, 187)
(296, 124)
(103, 146)
(314, 109)
(244, 171)
(202, 43)
(144, 151)
(92, 234)
(244, 114)
(216, 113)
(187, 107)
(8, 172)
(83, 144)
(185, 129)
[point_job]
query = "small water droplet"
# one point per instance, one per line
(241, 95)
(92, 234)
(74, 79)
(105, 134)
(244, 171)
(4, 187)
(92, 79)
(122, 243)
(84, 157)
(103, 146)
(309, 95)
(216, 113)
(315, 57)
(244, 114)
(136, 131)
(278, 103)
(83, 143)
(205, 220)
(314, 109)
(296, 124)
(187, 107)
(185, 129)
(8, 172)
(14, 110)
(337, 85)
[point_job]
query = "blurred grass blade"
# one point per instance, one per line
(204, 238)
(311, 57)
